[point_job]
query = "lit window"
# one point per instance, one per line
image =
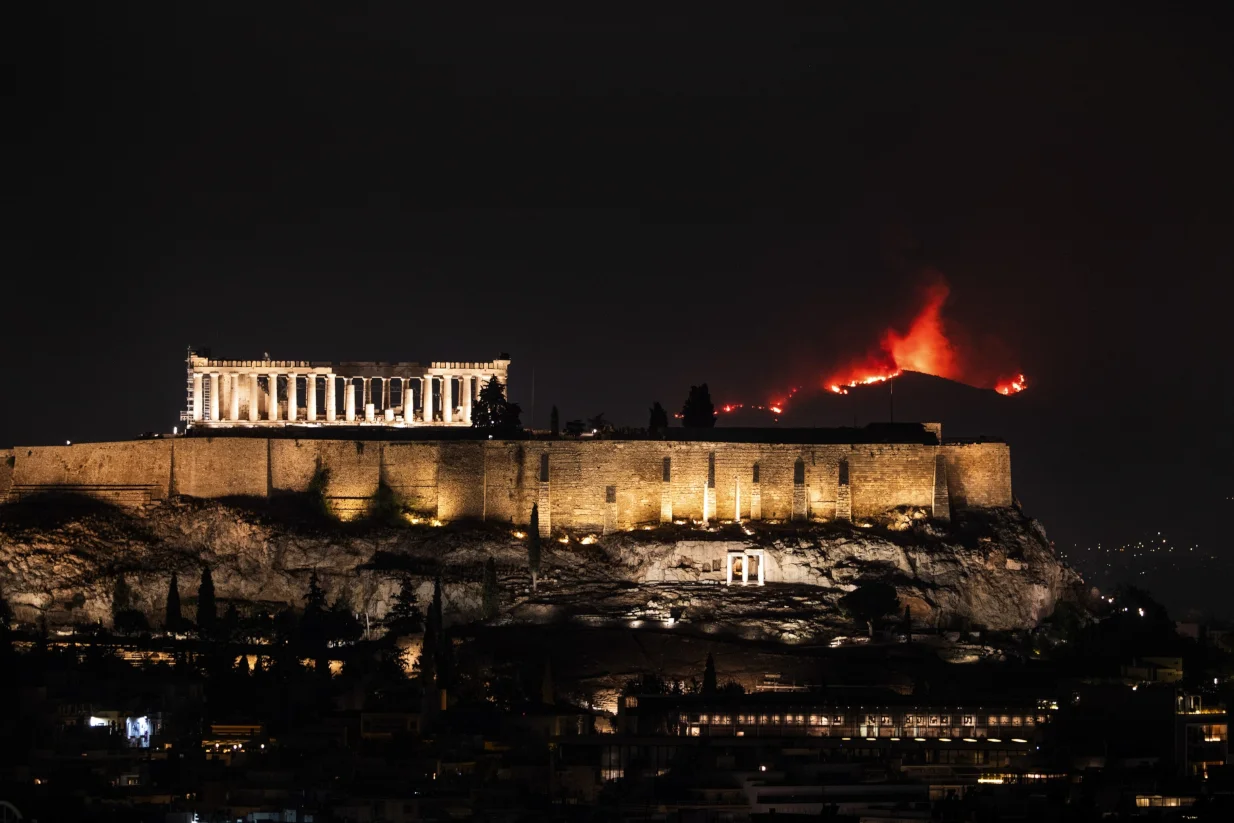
(933, 720)
(1016, 721)
(969, 720)
(885, 720)
(631, 702)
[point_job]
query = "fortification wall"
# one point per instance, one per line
(6, 471)
(499, 480)
(978, 474)
(219, 466)
(136, 463)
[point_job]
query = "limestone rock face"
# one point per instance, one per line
(998, 571)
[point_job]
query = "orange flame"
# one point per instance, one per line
(1012, 385)
(924, 348)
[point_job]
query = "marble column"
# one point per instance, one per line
(385, 393)
(293, 399)
(466, 392)
(447, 399)
(349, 401)
(254, 399)
(196, 396)
(367, 383)
(216, 386)
(234, 411)
(331, 400)
(409, 401)
(745, 570)
(274, 396)
(310, 398)
(427, 397)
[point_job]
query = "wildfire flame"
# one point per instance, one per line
(1013, 385)
(924, 348)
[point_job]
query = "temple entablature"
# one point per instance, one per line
(266, 392)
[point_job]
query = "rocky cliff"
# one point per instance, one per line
(60, 561)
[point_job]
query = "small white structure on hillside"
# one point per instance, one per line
(747, 563)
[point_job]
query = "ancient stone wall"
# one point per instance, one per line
(500, 480)
(7, 460)
(978, 474)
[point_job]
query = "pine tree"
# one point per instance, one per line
(404, 616)
(657, 423)
(554, 422)
(709, 675)
(489, 594)
(698, 410)
(315, 600)
(493, 412)
(121, 597)
(533, 545)
(172, 620)
(207, 609)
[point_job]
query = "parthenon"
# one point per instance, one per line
(243, 393)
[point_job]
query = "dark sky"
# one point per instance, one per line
(632, 205)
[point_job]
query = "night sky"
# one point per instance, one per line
(629, 207)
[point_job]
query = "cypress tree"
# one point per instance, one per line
(489, 597)
(657, 421)
(554, 422)
(533, 545)
(698, 411)
(207, 609)
(171, 621)
(709, 675)
(121, 597)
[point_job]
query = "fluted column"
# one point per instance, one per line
(385, 393)
(466, 391)
(196, 396)
(427, 395)
(349, 401)
(367, 383)
(293, 399)
(215, 388)
(409, 402)
(254, 399)
(331, 400)
(447, 399)
(234, 411)
(310, 398)
(274, 396)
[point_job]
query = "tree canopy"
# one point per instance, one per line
(657, 422)
(207, 609)
(493, 412)
(173, 619)
(698, 411)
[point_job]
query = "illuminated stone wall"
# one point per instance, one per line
(500, 480)
(978, 474)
